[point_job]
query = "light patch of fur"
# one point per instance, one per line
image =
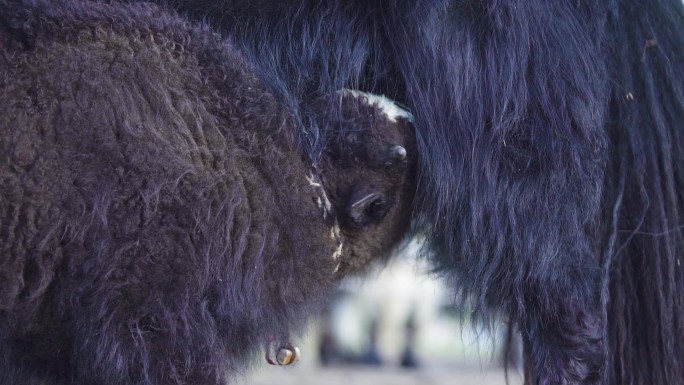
(335, 231)
(322, 199)
(338, 252)
(325, 206)
(386, 105)
(335, 234)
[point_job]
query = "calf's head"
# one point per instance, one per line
(368, 173)
(364, 185)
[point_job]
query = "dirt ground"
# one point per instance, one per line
(359, 375)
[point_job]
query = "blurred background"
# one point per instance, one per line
(398, 325)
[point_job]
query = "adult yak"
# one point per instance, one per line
(551, 143)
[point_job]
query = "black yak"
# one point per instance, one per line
(160, 218)
(551, 143)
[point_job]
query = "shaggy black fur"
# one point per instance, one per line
(159, 219)
(551, 143)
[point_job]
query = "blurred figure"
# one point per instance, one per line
(408, 357)
(328, 351)
(372, 356)
(404, 316)
(511, 353)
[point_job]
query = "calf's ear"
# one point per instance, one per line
(395, 154)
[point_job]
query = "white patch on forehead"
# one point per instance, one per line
(385, 104)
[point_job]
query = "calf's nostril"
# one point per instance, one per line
(368, 207)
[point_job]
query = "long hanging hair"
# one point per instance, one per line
(551, 138)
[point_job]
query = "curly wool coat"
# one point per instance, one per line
(159, 219)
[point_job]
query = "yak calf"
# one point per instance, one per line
(159, 221)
